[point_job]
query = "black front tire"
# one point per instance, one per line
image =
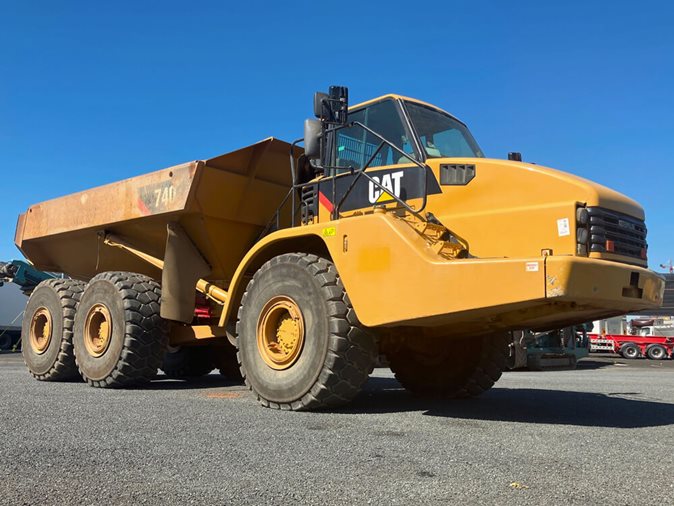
(57, 301)
(337, 355)
(450, 368)
(139, 336)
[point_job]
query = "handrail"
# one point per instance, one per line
(360, 172)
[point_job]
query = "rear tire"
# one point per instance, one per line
(224, 358)
(47, 330)
(450, 369)
(188, 362)
(656, 352)
(120, 338)
(301, 346)
(630, 351)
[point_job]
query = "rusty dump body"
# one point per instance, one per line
(222, 203)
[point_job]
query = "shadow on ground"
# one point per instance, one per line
(525, 405)
(161, 382)
(595, 364)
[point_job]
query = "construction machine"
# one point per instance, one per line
(387, 232)
(22, 274)
(552, 349)
(26, 278)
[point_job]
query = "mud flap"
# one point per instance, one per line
(184, 265)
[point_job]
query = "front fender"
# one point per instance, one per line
(305, 239)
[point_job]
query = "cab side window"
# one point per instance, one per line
(355, 146)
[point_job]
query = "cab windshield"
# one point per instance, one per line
(440, 135)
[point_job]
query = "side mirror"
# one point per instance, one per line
(312, 138)
(321, 107)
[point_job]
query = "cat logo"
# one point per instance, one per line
(389, 181)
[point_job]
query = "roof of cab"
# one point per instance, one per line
(395, 96)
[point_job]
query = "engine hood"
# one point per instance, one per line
(594, 194)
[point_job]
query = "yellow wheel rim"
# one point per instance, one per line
(40, 330)
(97, 330)
(280, 332)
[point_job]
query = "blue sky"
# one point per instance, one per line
(93, 92)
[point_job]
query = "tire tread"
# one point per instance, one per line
(488, 369)
(68, 292)
(351, 348)
(146, 334)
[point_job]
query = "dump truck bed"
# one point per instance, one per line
(223, 203)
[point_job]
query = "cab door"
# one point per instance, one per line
(355, 148)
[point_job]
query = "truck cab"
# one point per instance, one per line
(501, 208)
(580, 245)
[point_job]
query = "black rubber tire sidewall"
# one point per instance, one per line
(294, 281)
(47, 297)
(100, 291)
(653, 356)
(456, 368)
(629, 348)
(444, 368)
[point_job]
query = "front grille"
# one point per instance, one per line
(614, 232)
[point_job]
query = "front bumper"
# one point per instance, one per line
(601, 283)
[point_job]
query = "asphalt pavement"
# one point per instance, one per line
(602, 434)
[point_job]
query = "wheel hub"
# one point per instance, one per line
(97, 330)
(40, 330)
(280, 332)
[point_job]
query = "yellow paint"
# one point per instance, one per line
(371, 259)
(394, 96)
(394, 278)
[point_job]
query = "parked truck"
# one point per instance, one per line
(654, 347)
(388, 232)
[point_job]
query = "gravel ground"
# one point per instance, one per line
(599, 435)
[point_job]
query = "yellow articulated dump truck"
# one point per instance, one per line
(388, 232)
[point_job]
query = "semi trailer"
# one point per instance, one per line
(388, 232)
(634, 346)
